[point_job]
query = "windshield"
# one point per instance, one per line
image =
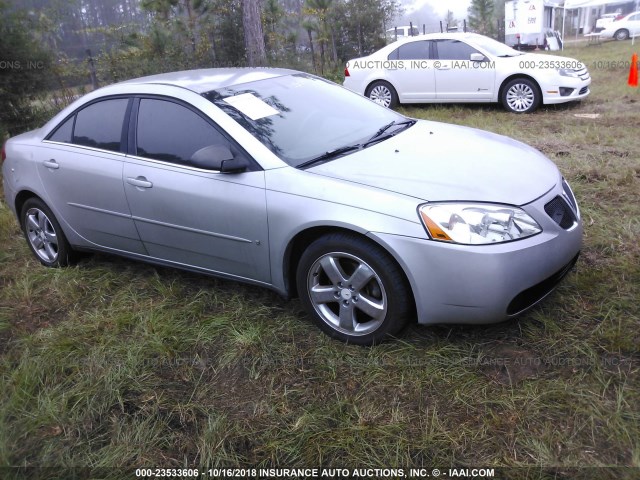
(494, 47)
(300, 117)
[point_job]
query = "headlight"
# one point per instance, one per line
(568, 72)
(476, 223)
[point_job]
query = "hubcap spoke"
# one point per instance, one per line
(32, 223)
(374, 308)
(50, 251)
(51, 237)
(360, 277)
(323, 295)
(42, 221)
(347, 320)
(333, 270)
(37, 242)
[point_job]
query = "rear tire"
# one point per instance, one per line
(44, 234)
(382, 93)
(621, 34)
(353, 290)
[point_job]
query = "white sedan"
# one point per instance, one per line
(465, 68)
(624, 28)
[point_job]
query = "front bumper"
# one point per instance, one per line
(576, 95)
(491, 283)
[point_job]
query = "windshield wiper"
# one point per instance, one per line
(330, 155)
(378, 135)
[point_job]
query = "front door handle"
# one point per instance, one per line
(139, 182)
(52, 164)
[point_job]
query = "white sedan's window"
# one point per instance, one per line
(454, 50)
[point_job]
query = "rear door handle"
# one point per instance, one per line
(139, 182)
(52, 164)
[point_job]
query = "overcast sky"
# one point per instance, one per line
(437, 8)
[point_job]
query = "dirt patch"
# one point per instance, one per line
(28, 318)
(592, 176)
(510, 364)
(618, 153)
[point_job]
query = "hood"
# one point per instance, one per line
(541, 57)
(440, 162)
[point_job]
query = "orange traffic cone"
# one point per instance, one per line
(633, 72)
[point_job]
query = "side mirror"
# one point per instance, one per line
(478, 57)
(218, 157)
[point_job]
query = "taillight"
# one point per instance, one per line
(346, 72)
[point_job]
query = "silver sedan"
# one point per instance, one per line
(285, 180)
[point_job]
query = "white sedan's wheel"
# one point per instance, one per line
(383, 93)
(621, 34)
(521, 96)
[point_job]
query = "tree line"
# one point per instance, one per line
(57, 45)
(49, 49)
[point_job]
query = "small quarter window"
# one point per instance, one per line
(64, 132)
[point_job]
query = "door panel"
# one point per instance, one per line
(81, 169)
(86, 188)
(203, 218)
(209, 220)
(458, 78)
(414, 79)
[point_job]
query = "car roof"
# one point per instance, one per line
(443, 36)
(430, 36)
(205, 80)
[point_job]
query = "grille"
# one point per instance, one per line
(583, 90)
(583, 74)
(560, 213)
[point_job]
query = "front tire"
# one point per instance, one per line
(521, 95)
(621, 34)
(353, 290)
(383, 93)
(44, 234)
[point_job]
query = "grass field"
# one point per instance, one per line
(113, 363)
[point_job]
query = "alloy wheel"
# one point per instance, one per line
(347, 293)
(41, 235)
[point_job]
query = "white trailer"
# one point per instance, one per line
(529, 24)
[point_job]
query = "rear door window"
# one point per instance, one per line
(100, 125)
